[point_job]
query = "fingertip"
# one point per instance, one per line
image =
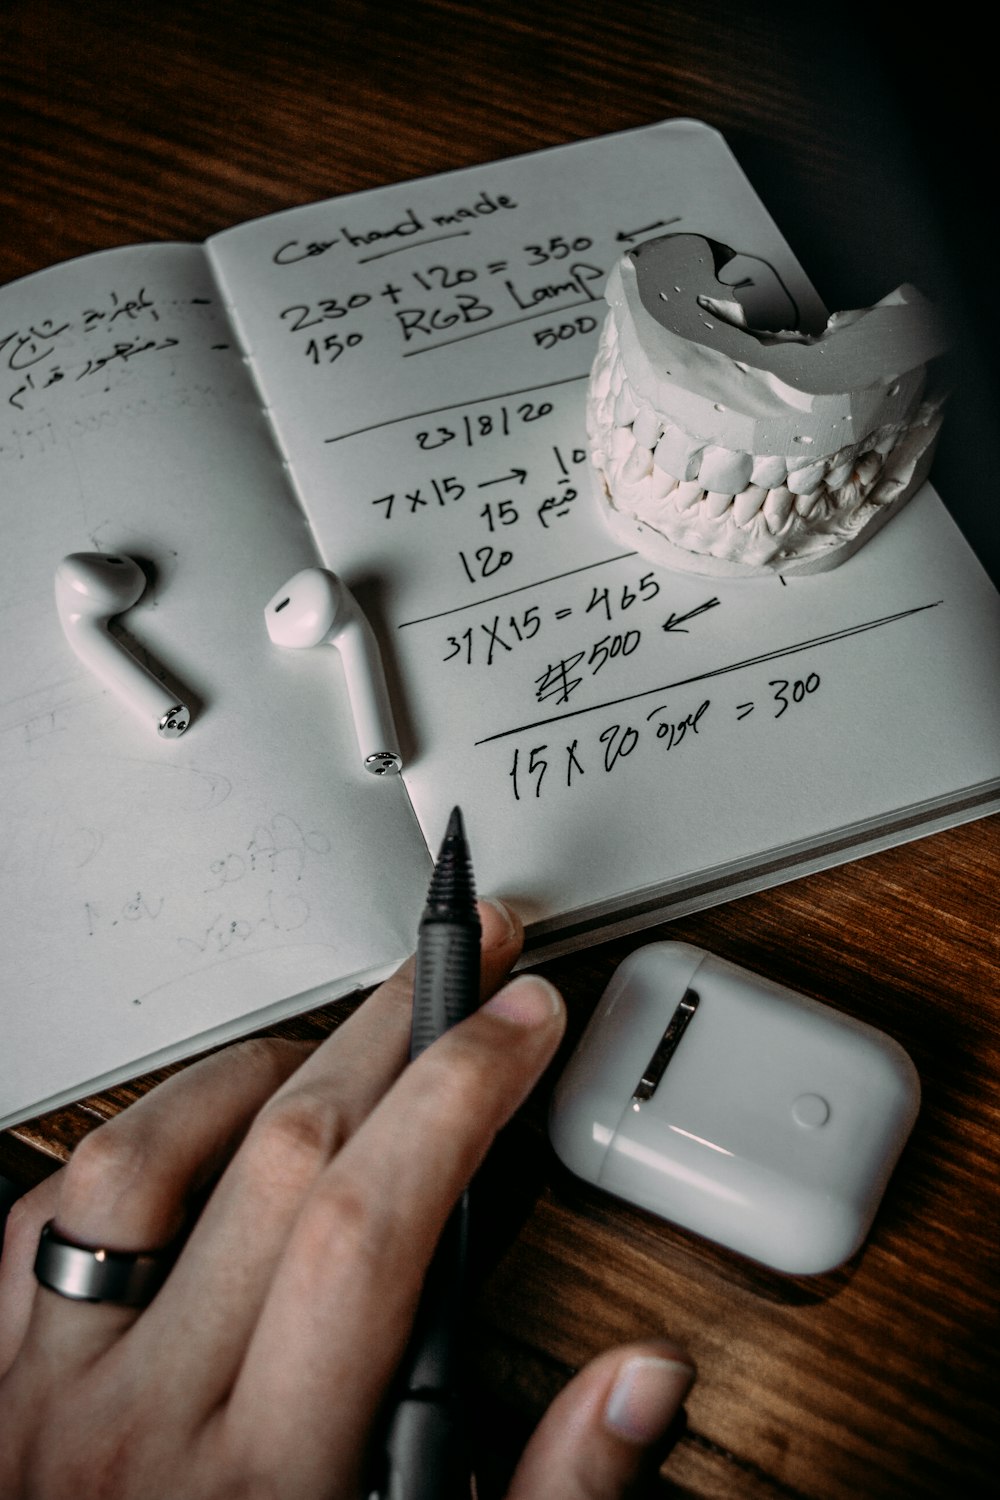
(615, 1421)
(528, 1000)
(501, 926)
(647, 1395)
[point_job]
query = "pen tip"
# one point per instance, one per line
(452, 888)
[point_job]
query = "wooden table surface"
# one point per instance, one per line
(123, 123)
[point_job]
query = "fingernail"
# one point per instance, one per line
(527, 1000)
(646, 1397)
(507, 927)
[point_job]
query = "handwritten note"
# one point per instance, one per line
(609, 727)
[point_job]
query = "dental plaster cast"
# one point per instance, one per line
(721, 449)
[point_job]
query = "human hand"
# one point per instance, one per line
(259, 1368)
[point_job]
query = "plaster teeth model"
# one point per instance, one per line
(721, 449)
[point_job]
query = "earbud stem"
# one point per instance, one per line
(133, 682)
(369, 695)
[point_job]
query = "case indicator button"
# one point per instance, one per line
(810, 1111)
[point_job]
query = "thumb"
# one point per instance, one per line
(607, 1427)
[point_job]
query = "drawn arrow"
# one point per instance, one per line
(632, 234)
(676, 622)
(519, 474)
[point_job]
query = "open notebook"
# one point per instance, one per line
(393, 384)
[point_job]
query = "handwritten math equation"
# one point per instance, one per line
(44, 353)
(437, 275)
(490, 639)
(561, 760)
(436, 300)
(504, 508)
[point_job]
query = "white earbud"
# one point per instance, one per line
(92, 587)
(316, 609)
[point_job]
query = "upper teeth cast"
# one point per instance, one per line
(720, 450)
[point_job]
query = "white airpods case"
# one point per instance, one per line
(735, 1108)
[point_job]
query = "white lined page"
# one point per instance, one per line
(423, 350)
(157, 893)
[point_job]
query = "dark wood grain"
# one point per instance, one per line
(121, 123)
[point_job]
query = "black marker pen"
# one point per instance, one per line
(426, 1449)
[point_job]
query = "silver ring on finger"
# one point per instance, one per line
(129, 1278)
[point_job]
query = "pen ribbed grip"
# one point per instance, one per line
(446, 983)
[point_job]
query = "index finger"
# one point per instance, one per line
(228, 1263)
(341, 1306)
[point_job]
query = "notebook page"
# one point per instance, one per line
(610, 728)
(153, 892)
